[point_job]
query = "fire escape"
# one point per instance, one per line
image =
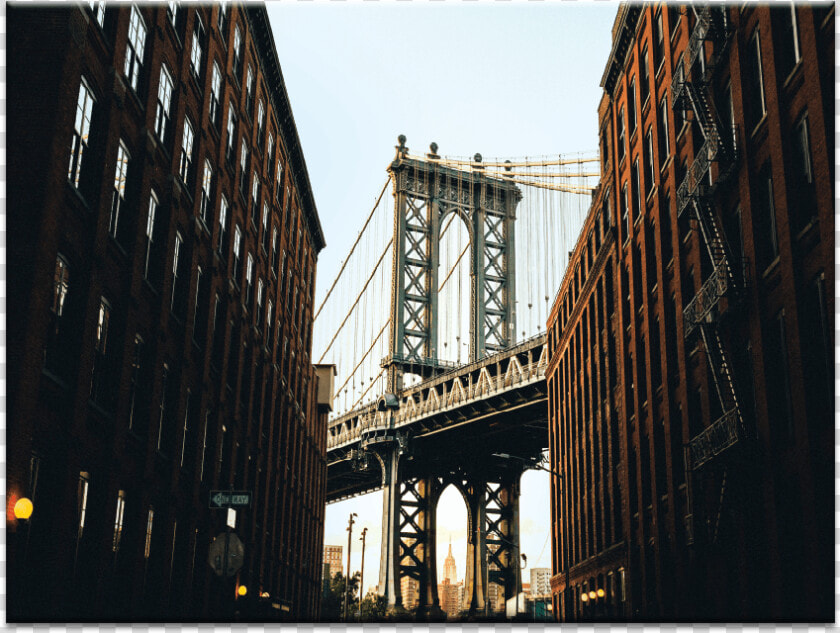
(713, 164)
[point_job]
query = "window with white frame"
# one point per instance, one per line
(150, 521)
(135, 386)
(278, 182)
(788, 52)
(215, 92)
(164, 101)
(81, 132)
(258, 316)
(197, 48)
(237, 254)
(255, 195)
(162, 406)
(118, 195)
(223, 18)
(81, 503)
(260, 120)
(249, 90)
(662, 132)
(270, 152)
(274, 250)
(172, 13)
(265, 226)
(754, 82)
(249, 279)
(231, 136)
(243, 168)
(206, 191)
(176, 270)
(135, 48)
(150, 232)
(185, 166)
(99, 374)
(223, 210)
(237, 53)
(118, 522)
(97, 7)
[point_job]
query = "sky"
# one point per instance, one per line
(500, 78)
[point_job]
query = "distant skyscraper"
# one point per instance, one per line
(449, 571)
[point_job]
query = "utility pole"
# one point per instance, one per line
(362, 577)
(347, 577)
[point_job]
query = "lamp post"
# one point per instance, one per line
(362, 577)
(347, 577)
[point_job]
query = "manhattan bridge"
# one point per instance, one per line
(436, 326)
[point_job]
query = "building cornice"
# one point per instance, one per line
(264, 39)
(628, 20)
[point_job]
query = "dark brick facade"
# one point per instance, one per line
(718, 337)
(159, 347)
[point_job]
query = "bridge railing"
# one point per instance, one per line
(442, 393)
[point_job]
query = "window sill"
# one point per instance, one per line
(758, 126)
(772, 267)
(666, 164)
(651, 194)
(77, 196)
(684, 127)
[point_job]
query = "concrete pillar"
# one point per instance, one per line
(389, 562)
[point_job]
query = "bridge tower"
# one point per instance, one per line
(425, 193)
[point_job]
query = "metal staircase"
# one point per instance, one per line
(720, 292)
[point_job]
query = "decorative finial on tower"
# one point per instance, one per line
(433, 147)
(402, 150)
(508, 167)
(477, 159)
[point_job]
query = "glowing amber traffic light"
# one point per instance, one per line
(242, 590)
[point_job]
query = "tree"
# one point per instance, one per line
(374, 608)
(332, 601)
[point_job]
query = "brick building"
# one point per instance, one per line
(690, 380)
(164, 238)
(333, 558)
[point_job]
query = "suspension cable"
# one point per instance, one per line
(353, 371)
(372, 383)
(352, 307)
(352, 248)
(454, 266)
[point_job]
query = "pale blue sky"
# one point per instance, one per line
(500, 78)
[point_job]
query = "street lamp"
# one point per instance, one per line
(347, 577)
(362, 577)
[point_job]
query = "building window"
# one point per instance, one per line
(270, 152)
(223, 209)
(625, 217)
(249, 90)
(659, 42)
(243, 167)
(97, 7)
(788, 51)
(644, 76)
(163, 103)
(621, 144)
(649, 158)
(249, 280)
(255, 196)
(186, 428)
(265, 226)
(199, 277)
(204, 445)
(269, 324)
(754, 82)
(150, 231)
(177, 270)
(81, 505)
(150, 521)
(99, 391)
(135, 386)
(803, 200)
(637, 190)
(767, 246)
(258, 316)
(781, 408)
(215, 91)
(118, 522)
(231, 135)
(237, 54)
(274, 250)
(134, 48)
(237, 255)
(162, 408)
(172, 13)
(81, 132)
(662, 132)
(197, 51)
(631, 106)
(56, 351)
(185, 166)
(222, 20)
(118, 195)
(207, 192)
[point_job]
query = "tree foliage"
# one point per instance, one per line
(332, 601)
